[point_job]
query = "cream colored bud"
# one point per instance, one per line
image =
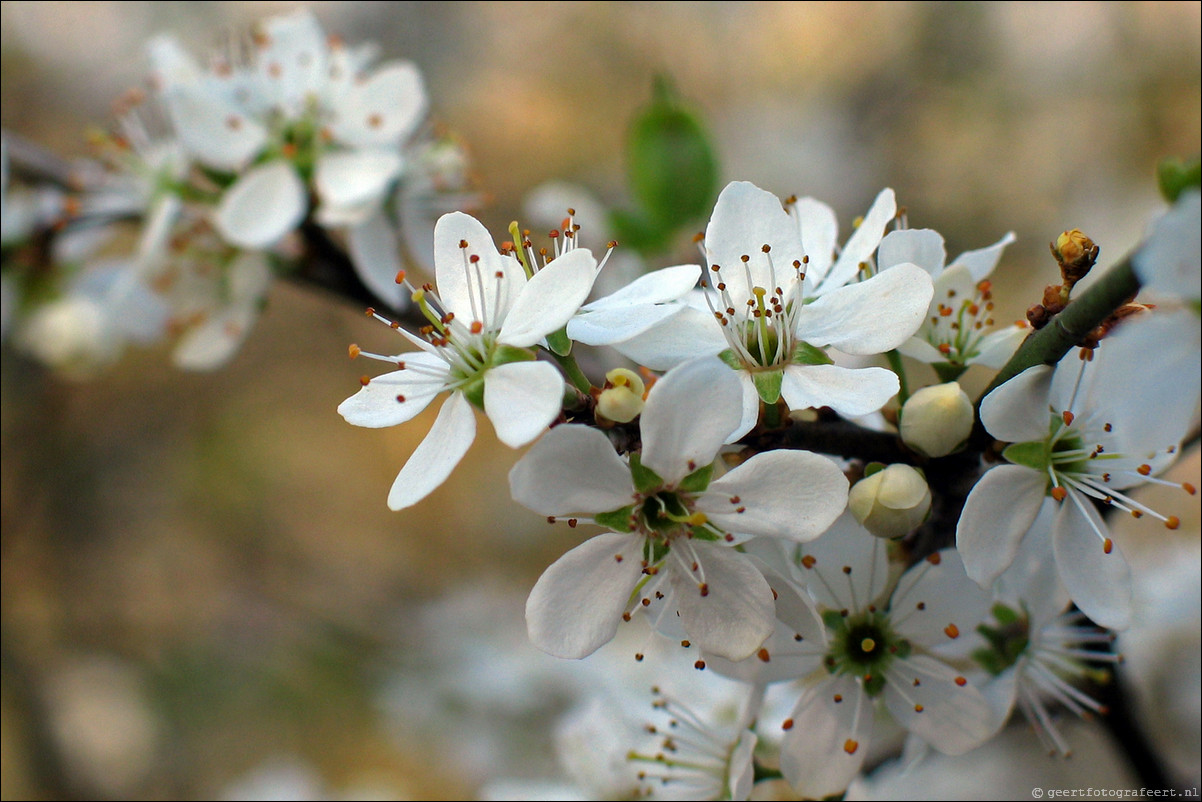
(621, 401)
(1073, 245)
(891, 502)
(936, 421)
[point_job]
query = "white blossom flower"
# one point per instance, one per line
(670, 552)
(1033, 648)
(757, 312)
(831, 267)
(958, 329)
(484, 320)
(867, 638)
(1086, 454)
(302, 110)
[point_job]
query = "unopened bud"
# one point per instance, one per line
(621, 400)
(891, 502)
(1076, 254)
(936, 421)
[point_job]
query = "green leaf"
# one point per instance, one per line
(1033, 454)
(767, 384)
(806, 354)
(509, 353)
(1175, 176)
(617, 520)
(698, 480)
(645, 480)
(673, 171)
(635, 231)
(1004, 615)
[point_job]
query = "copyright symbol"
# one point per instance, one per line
(1037, 793)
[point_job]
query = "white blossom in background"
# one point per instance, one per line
(1077, 438)
(958, 330)
(485, 318)
(670, 553)
(831, 267)
(302, 111)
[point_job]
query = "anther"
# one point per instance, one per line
(365, 380)
(1188, 488)
(1107, 546)
(400, 399)
(699, 665)
(1144, 470)
(1059, 493)
(1172, 522)
(952, 631)
(763, 655)
(961, 681)
(787, 724)
(400, 277)
(934, 559)
(850, 746)
(353, 350)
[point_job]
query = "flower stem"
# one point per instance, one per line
(1047, 345)
(573, 372)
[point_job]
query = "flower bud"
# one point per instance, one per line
(621, 400)
(936, 421)
(1076, 254)
(891, 502)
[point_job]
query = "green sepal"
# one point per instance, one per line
(1004, 615)
(806, 354)
(728, 356)
(698, 480)
(767, 384)
(833, 619)
(1032, 454)
(473, 391)
(654, 550)
(873, 467)
(559, 343)
(705, 534)
(504, 354)
(617, 520)
(645, 480)
(903, 649)
(1174, 176)
(948, 371)
(874, 684)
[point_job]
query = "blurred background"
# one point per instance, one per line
(203, 591)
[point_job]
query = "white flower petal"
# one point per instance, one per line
(936, 603)
(375, 252)
(751, 407)
(848, 391)
(1018, 411)
(376, 406)
(549, 299)
(688, 334)
(733, 615)
(742, 766)
(572, 469)
(846, 568)
(215, 132)
(996, 347)
(795, 495)
(930, 699)
(981, 262)
(863, 241)
(262, 206)
(916, 246)
(213, 343)
(382, 110)
(744, 219)
(291, 58)
(1170, 263)
(1098, 582)
(577, 604)
(355, 177)
(613, 325)
(473, 291)
(522, 399)
(824, 749)
(997, 515)
(819, 229)
(433, 460)
(689, 413)
(869, 317)
(656, 287)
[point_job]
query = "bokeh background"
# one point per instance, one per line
(203, 591)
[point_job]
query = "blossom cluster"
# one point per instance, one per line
(778, 565)
(216, 163)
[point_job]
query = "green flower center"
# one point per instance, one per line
(863, 645)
